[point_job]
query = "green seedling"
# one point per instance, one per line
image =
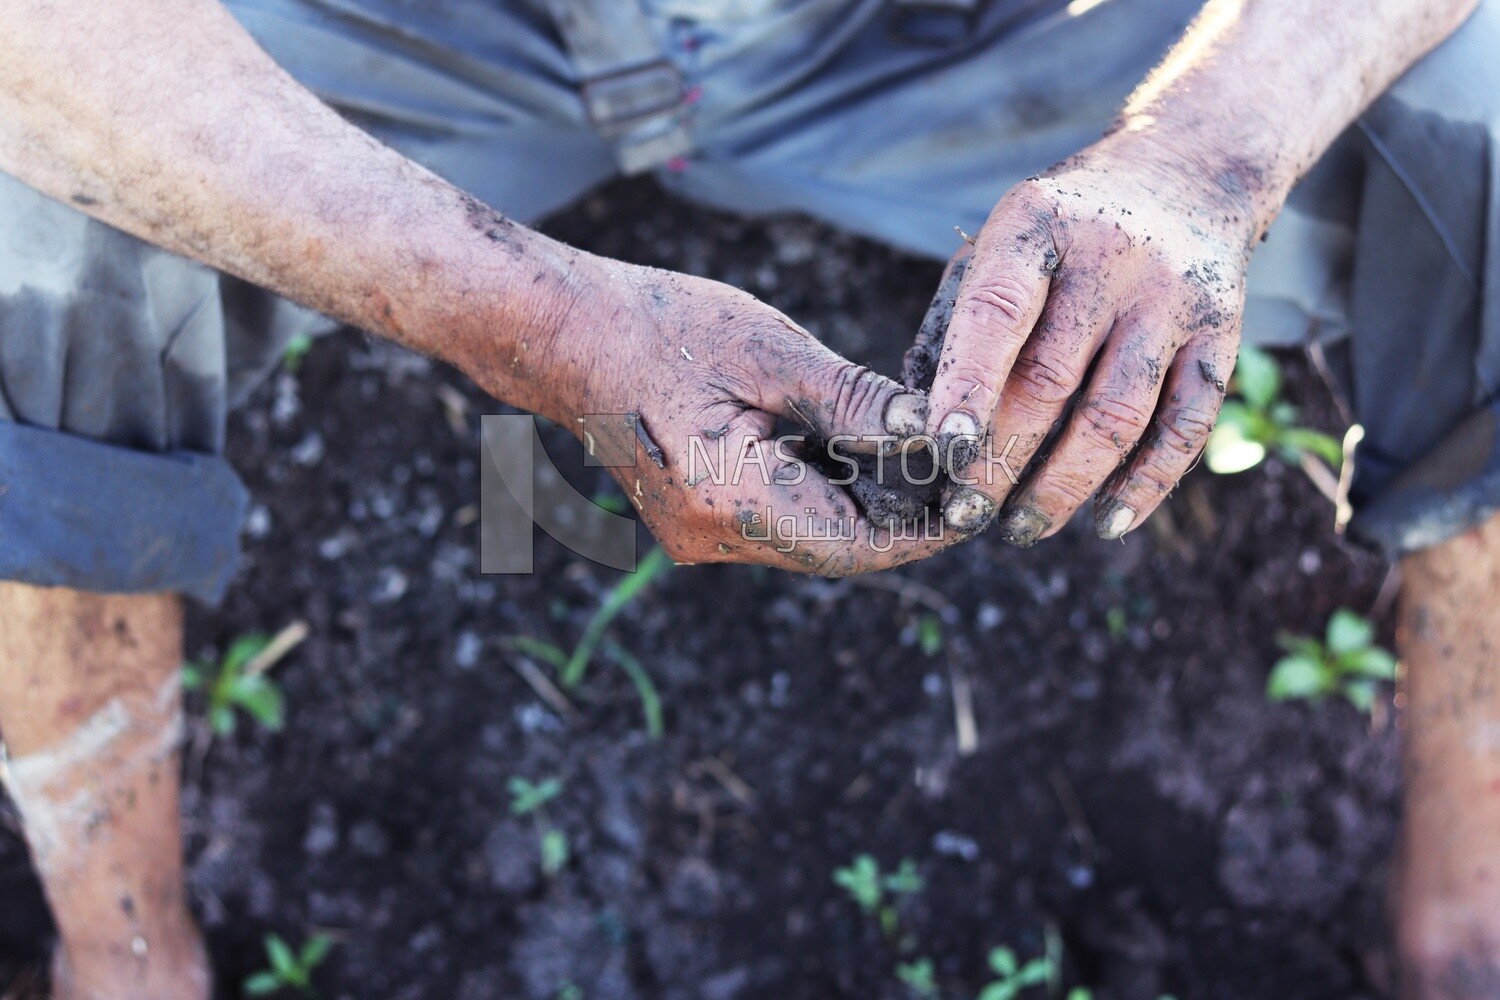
(572, 666)
(930, 635)
(656, 563)
(296, 349)
(530, 799)
(919, 976)
(1015, 977)
(1346, 662)
(1117, 621)
(1256, 422)
(877, 893)
(289, 969)
(239, 682)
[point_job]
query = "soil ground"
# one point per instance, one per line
(1132, 790)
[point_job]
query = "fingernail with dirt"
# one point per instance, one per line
(969, 510)
(1114, 520)
(958, 441)
(1022, 526)
(906, 414)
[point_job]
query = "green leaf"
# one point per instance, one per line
(999, 991)
(1361, 694)
(1035, 971)
(243, 650)
(1230, 449)
(283, 960)
(645, 689)
(554, 851)
(528, 798)
(905, 880)
(918, 976)
(262, 984)
(1348, 633)
(296, 349)
(262, 699)
(539, 649)
(1256, 377)
(1080, 993)
(654, 564)
(221, 720)
(1303, 439)
(1298, 676)
(930, 635)
(1373, 662)
(861, 880)
(1003, 961)
(192, 676)
(316, 950)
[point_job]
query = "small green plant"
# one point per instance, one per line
(877, 893)
(918, 976)
(572, 666)
(1015, 977)
(238, 682)
(1257, 421)
(1346, 662)
(1117, 622)
(296, 349)
(930, 635)
(529, 798)
(289, 969)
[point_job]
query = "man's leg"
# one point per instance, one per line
(1447, 888)
(90, 712)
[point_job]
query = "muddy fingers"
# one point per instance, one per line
(1189, 405)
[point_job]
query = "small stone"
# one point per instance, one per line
(955, 845)
(466, 650)
(309, 451)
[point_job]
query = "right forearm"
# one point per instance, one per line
(168, 121)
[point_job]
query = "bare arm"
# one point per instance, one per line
(1133, 253)
(1257, 90)
(164, 118)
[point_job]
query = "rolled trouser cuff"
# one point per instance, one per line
(1453, 488)
(96, 517)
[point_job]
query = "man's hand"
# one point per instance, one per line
(1115, 283)
(708, 369)
(1112, 285)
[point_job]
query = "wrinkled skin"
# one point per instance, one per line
(1121, 259)
(697, 358)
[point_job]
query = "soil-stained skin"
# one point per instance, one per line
(902, 488)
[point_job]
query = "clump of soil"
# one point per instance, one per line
(903, 488)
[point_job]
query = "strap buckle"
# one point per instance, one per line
(616, 102)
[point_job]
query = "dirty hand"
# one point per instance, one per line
(709, 369)
(1104, 299)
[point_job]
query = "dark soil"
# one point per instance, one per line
(1132, 787)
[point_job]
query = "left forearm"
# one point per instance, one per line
(1257, 90)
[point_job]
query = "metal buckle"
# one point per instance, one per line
(617, 102)
(936, 23)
